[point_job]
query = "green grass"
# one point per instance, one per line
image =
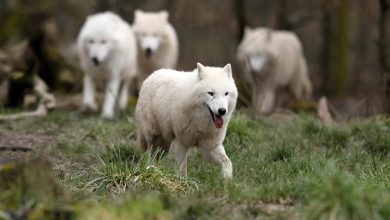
(295, 168)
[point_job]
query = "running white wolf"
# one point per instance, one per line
(187, 109)
(106, 45)
(273, 59)
(157, 42)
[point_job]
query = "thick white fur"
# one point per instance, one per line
(272, 59)
(109, 40)
(172, 109)
(153, 31)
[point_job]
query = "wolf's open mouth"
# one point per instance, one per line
(217, 119)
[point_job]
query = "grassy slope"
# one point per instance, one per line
(290, 168)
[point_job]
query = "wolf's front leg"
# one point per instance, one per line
(112, 91)
(124, 96)
(89, 93)
(181, 157)
(218, 155)
(266, 101)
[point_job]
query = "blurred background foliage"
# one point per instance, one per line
(341, 38)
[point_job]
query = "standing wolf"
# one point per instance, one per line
(271, 60)
(106, 45)
(187, 109)
(157, 43)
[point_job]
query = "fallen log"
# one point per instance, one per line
(47, 102)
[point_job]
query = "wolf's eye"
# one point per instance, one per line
(226, 93)
(91, 41)
(103, 42)
(211, 93)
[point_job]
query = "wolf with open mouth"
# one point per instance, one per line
(187, 109)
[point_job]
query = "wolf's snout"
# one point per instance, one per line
(222, 111)
(95, 61)
(148, 52)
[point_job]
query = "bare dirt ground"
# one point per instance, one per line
(15, 145)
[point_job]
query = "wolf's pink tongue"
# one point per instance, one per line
(218, 122)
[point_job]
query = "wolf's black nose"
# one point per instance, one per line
(222, 111)
(148, 52)
(95, 61)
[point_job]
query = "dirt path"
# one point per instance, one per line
(15, 145)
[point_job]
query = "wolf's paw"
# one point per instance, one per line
(227, 176)
(227, 172)
(108, 115)
(89, 108)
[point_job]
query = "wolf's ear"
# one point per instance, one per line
(200, 71)
(164, 15)
(228, 70)
(138, 14)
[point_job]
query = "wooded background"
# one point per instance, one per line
(345, 41)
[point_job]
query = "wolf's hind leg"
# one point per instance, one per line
(142, 140)
(124, 95)
(265, 102)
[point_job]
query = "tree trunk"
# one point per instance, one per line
(383, 49)
(2, 11)
(335, 46)
(107, 5)
(238, 7)
(283, 17)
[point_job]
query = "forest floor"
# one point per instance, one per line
(72, 166)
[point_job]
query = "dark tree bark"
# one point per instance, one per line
(2, 10)
(383, 49)
(170, 6)
(238, 7)
(107, 5)
(283, 19)
(287, 21)
(23, 63)
(335, 64)
(32, 17)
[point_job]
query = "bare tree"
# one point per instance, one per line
(238, 6)
(2, 10)
(104, 5)
(286, 20)
(283, 19)
(335, 46)
(383, 48)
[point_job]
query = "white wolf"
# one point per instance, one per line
(157, 43)
(106, 45)
(272, 59)
(187, 109)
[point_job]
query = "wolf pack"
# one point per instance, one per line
(178, 110)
